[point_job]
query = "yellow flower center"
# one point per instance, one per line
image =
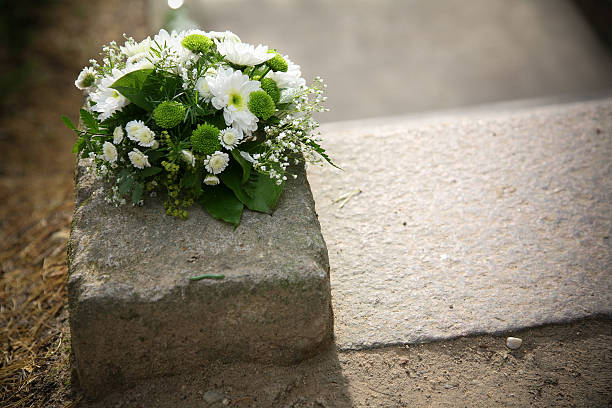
(235, 99)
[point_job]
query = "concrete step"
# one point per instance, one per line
(458, 223)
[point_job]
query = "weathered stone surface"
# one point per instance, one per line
(467, 223)
(134, 313)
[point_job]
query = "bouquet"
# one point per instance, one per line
(199, 117)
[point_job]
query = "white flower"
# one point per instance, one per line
(177, 57)
(231, 92)
(139, 159)
(247, 156)
(107, 99)
(217, 162)
(139, 132)
(242, 53)
(86, 79)
(188, 157)
(202, 85)
(136, 64)
(230, 138)
(110, 152)
(132, 48)
(290, 79)
(223, 36)
(118, 135)
(211, 180)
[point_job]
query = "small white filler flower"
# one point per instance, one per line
(139, 159)
(217, 162)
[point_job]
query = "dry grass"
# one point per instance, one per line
(34, 366)
(36, 197)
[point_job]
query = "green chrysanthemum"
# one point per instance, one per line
(197, 43)
(205, 139)
(268, 85)
(277, 63)
(169, 114)
(261, 104)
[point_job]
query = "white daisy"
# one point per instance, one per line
(211, 180)
(230, 137)
(86, 79)
(107, 99)
(118, 135)
(231, 91)
(290, 79)
(188, 157)
(217, 162)
(242, 53)
(139, 159)
(110, 152)
(140, 133)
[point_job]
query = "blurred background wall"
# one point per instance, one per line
(389, 57)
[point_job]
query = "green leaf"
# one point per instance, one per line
(321, 151)
(68, 122)
(90, 122)
(259, 193)
(246, 166)
(137, 192)
(125, 185)
(207, 276)
(222, 204)
(189, 180)
(155, 155)
(79, 144)
(149, 171)
(131, 86)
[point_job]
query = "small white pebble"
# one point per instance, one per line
(513, 343)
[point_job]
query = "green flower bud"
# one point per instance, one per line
(261, 104)
(169, 114)
(271, 89)
(197, 43)
(205, 139)
(277, 63)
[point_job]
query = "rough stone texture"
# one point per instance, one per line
(134, 313)
(478, 222)
(391, 57)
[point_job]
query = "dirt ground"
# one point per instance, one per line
(565, 365)
(556, 366)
